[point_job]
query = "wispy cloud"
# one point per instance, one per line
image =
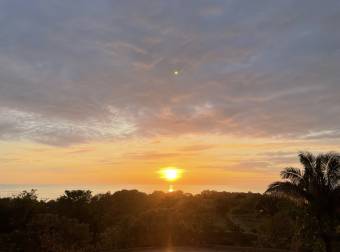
(16, 124)
(246, 69)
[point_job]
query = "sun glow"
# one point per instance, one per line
(171, 174)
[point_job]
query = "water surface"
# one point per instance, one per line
(54, 191)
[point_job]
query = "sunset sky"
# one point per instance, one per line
(109, 92)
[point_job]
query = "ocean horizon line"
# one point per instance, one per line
(52, 191)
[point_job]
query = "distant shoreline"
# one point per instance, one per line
(52, 191)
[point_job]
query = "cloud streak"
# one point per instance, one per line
(247, 69)
(16, 124)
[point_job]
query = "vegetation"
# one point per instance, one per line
(304, 219)
(78, 221)
(317, 189)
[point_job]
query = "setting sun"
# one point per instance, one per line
(170, 126)
(171, 173)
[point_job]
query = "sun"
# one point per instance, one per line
(171, 173)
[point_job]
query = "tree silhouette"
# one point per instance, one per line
(316, 187)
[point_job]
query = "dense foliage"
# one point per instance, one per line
(317, 188)
(78, 221)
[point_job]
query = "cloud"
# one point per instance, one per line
(323, 134)
(279, 158)
(151, 155)
(247, 69)
(197, 148)
(60, 132)
(81, 150)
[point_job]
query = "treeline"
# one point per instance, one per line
(79, 221)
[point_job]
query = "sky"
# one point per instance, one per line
(89, 94)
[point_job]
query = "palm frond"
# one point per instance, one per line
(287, 189)
(331, 162)
(318, 165)
(319, 179)
(293, 174)
(317, 184)
(307, 159)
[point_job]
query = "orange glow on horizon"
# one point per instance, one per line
(210, 161)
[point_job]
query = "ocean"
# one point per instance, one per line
(47, 192)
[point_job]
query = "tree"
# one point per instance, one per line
(74, 204)
(317, 188)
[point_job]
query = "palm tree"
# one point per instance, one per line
(317, 187)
